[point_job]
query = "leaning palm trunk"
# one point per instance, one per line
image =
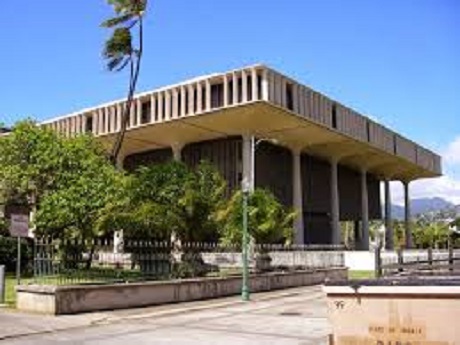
(119, 52)
(135, 66)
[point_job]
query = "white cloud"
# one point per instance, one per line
(446, 187)
(452, 154)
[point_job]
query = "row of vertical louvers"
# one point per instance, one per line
(241, 87)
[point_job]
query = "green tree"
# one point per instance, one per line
(432, 234)
(170, 198)
(72, 179)
(121, 52)
(269, 222)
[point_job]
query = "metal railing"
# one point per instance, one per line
(98, 262)
(421, 263)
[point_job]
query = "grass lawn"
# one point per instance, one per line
(361, 275)
(10, 293)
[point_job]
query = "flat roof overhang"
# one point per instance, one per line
(266, 120)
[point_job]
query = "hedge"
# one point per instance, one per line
(8, 254)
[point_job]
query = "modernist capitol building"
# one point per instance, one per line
(259, 126)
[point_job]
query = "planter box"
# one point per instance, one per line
(395, 312)
(85, 298)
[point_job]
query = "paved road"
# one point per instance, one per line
(294, 317)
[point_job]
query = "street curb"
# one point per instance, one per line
(105, 320)
(166, 313)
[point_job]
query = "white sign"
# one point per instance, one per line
(19, 226)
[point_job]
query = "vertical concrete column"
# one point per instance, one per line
(252, 180)
(161, 114)
(244, 84)
(119, 115)
(138, 111)
(407, 216)
(183, 104)
(95, 122)
(83, 123)
(101, 127)
(297, 194)
(106, 112)
(167, 105)
(357, 233)
(132, 114)
(235, 88)
(120, 161)
(177, 151)
(208, 95)
(364, 211)
(73, 121)
(265, 85)
(254, 86)
(199, 98)
(388, 226)
(191, 100)
(175, 104)
(335, 203)
(112, 118)
(248, 142)
(225, 81)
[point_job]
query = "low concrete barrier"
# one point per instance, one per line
(310, 259)
(385, 312)
(85, 298)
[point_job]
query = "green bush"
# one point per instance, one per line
(8, 254)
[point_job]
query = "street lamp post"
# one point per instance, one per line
(248, 187)
(245, 287)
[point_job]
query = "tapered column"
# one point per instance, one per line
(357, 233)
(335, 203)
(177, 151)
(297, 194)
(364, 212)
(407, 216)
(265, 85)
(388, 226)
(248, 176)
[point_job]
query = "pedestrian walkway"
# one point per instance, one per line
(295, 316)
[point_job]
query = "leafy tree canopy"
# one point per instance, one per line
(70, 179)
(170, 198)
(268, 220)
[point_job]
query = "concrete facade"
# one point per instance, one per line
(314, 153)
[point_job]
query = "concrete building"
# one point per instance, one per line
(260, 126)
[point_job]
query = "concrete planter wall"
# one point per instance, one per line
(399, 312)
(85, 298)
(310, 259)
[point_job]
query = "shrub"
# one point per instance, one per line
(8, 254)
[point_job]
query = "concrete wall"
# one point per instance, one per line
(403, 314)
(308, 259)
(85, 298)
(365, 260)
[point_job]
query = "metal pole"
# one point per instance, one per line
(245, 287)
(18, 263)
(2, 284)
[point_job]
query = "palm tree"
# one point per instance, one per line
(120, 53)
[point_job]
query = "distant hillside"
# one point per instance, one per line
(422, 205)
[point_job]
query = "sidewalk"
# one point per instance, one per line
(15, 324)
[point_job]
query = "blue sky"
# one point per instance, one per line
(397, 61)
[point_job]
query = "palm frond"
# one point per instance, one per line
(119, 44)
(120, 20)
